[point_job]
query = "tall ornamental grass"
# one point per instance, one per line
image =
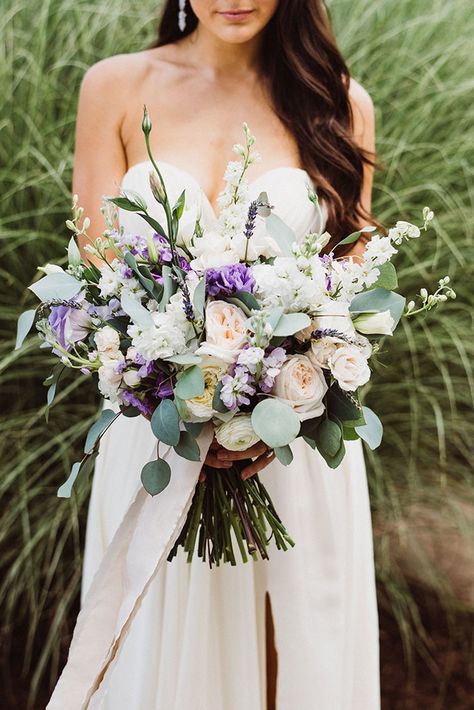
(414, 58)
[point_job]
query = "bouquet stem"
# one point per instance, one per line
(229, 515)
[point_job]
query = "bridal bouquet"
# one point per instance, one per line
(241, 328)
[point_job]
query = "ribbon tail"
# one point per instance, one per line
(138, 549)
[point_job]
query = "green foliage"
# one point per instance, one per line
(415, 59)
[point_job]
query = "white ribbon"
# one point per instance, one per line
(140, 546)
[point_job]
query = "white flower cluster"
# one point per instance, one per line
(283, 284)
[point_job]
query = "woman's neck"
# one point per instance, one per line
(222, 59)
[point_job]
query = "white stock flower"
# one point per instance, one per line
(259, 244)
(162, 339)
(349, 367)
(302, 386)
(250, 358)
(283, 284)
(381, 323)
(378, 250)
(212, 250)
(110, 281)
(237, 434)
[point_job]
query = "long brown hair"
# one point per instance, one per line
(308, 81)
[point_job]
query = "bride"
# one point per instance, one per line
(300, 630)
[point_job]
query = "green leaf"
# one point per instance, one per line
(188, 447)
(129, 411)
(334, 461)
(340, 406)
(155, 476)
(217, 403)
(329, 437)
(199, 297)
(52, 381)
(184, 359)
(119, 323)
(56, 286)
(310, 442)
(154, 224)
(169, 287)
(309, 427)
(165, 422)
(281, 233)
(355, 235)
(138, 313)
(377, 300)
(190, 383)
(349, 433)
(125, 204)
(248, 299)
(274, 316)
(65, 490)
(179, 206)
(25, 323)
(388, 277)
(194, 428)
(275, 422)
(372, 431)
(284, 454)
(98, 428)
(290, 323)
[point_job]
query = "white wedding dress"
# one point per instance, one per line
(196, 640)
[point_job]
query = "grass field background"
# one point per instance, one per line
(416, 60)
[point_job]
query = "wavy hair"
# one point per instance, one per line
(308, 81)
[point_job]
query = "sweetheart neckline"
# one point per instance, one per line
(196, 181)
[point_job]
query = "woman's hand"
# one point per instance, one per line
(219, 457)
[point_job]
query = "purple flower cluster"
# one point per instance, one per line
(254, 370)
(226, 280)
(236, 387)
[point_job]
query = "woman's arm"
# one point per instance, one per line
(99, 157)
(364, 135)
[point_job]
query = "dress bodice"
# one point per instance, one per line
(286, 188)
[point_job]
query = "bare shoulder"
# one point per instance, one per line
(363, 111)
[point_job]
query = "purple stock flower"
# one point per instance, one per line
(163, 387)
(236, 387)
(133, 400)
(112, 308)
(227, 280)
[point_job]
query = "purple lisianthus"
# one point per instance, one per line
(112, 308)
(163, 386)
(70, 324)
(227, 280)
(143, 406)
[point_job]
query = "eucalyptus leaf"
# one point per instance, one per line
(275, 422)
(56, 286)
(388, 277)
(169, 287)
(155, 476)
(25, 323)
(217, 403)
(329, 437)
(119, 323)
(339, 405)
(184, 359)
(187, 447)
(194, 428)
(248, 299)
(98, 428)
(355, 235)
(284, 454)
(199, 297)
(349, 433)
(165, 422)
(190, 383)
(130, 411)
(377, 300)
(65, 490)
(309, 441)
(290, 323)
(334, 461)
(372, 431)
(281, 233)
(138, 313)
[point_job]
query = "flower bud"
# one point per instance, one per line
(156, 187)
(146, 123)
(424, 293)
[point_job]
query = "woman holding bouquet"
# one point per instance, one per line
(299, 630)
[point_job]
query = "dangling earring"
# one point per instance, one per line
(182, 15)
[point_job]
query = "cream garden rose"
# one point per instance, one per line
(349, 367)
(302, 386)
(226, 331)
(237, 434)
(200, 408)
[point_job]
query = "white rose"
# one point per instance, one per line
(349, 367)
(321, 350)
(237, 434)
(382, 323)
(226, 331)
(131, 378)
(200, 408)
(109, 380)
(302, 386)
(335, 315)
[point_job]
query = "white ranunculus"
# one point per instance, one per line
(107, 341)
(381, 323)
(237, 434)
(226, 331)
(302, 386)
(212, 250)
(349, 367)
(200, 408)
